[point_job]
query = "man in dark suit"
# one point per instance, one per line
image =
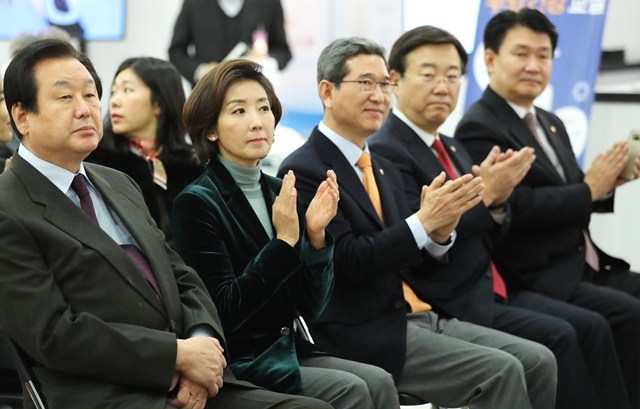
(548, 248)
(445, 361)
(215, 27)
(427, 63)
(109, 315)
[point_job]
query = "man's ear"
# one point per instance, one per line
(21, 118)
(326, 90)
(489, 59)
(395, 76)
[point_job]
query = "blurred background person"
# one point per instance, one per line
(214, 27)
(144, 135)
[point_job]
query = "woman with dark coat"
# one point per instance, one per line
(144, 135)
(263, 259)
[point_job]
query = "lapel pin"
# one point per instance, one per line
(382, 172)
(552, 128)
(453, 148)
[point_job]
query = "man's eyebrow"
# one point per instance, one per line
(62, 83)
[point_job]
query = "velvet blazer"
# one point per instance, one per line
(259, 285)
(96, 331)
(463, 287)
(545, 245)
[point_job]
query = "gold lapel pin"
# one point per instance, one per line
(382, 172)
(453, 148)
(552, 128)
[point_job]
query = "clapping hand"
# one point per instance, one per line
(322, 209)
(284, 213)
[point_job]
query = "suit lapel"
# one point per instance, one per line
(461, 164)
(61, 212)
(347, 178)
(519, 132)
(238, 203)
(566, 156)
(147, 239)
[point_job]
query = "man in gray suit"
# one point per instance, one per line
(109, 315)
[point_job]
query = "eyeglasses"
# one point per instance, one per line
(369, 85)
(449, 80)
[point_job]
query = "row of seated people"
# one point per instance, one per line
(421, 273)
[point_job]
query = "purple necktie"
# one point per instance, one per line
(79, 185)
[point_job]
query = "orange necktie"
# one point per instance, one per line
(364, 163)
(370, 185)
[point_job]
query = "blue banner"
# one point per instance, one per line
(570, 91)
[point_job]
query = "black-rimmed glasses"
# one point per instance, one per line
(369, 85)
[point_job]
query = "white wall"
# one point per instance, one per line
(622, 28)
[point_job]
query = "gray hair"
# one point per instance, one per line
(332, 63)
(23, 40)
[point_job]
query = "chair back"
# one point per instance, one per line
(25, 372)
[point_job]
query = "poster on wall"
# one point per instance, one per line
(85, 19)
(570, 92)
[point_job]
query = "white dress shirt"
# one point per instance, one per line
(352, 153)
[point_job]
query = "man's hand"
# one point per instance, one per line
(501, 173)
(603, 173)
(201, 360)
(636, 174)
(190, 395)
(442, 205)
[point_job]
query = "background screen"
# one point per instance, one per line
(99, 19)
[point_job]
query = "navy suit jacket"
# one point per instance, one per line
(365, 319)
(545, 246)
(463, 287)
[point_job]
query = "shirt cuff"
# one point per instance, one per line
(199, 72)
(423, 241)
(201, 330)
(499, 218)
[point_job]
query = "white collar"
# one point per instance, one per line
(60, 177)
(350, 150)
(522, 111)
(424, 135)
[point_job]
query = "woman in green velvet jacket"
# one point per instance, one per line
(263, 259)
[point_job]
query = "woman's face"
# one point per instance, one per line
(5, 122)
(246, 124)
(131, 111)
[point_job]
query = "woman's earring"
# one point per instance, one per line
(212, 138)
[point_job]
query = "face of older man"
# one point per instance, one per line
(428, 90)
(521, 69)
(351, 112)
(68, 125)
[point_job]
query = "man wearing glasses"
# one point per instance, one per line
(444, 361)
(427, 63)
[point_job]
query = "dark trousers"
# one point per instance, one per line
(589, 375)
(615, 296)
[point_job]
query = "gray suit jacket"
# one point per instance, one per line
(97, 333)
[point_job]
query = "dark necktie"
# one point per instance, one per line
(79, 185)
(499, 286)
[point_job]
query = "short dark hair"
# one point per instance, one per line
(419, 36)
(497, 27)
(165, 84)
(202, 109)
(20, 84)
(332, 63)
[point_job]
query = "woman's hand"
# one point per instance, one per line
(322, 209)
(284, 213)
